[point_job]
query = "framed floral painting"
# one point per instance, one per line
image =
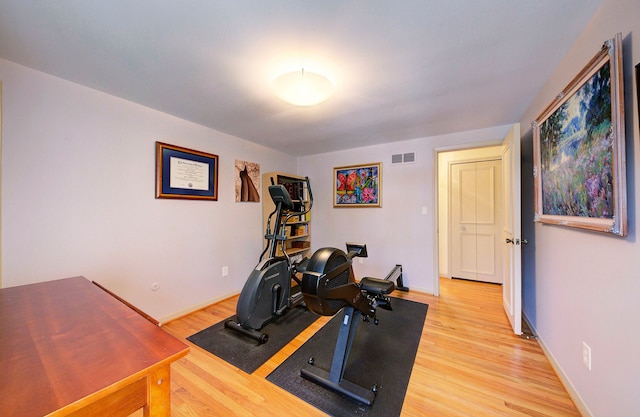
(357, 185)
(579, 149)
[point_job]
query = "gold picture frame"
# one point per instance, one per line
(358, 185)
(579, 149)
(184, 173)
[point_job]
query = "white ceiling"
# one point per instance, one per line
(403, 69)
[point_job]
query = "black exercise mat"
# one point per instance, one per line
(381, 355)
(245, 352)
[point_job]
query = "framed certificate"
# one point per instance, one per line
(185, 173)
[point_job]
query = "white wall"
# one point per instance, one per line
(398, 232)
(78, 184)
(78, 199)
(582, 286)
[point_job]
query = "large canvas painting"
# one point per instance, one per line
(638, 89)
(579, 150)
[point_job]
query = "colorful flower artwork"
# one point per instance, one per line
(357, 186)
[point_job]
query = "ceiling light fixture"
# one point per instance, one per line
(303, 88)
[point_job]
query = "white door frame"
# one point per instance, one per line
(436, 200)
(0, 183)
(436, 208)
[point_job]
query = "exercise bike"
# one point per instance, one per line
(267, 293)
(328, 286)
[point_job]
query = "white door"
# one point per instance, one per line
(476, 220)
(512, 288)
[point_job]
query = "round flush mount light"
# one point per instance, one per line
(303, 88)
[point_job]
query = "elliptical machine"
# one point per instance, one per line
(267, 293)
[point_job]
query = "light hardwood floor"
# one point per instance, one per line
(469, 363)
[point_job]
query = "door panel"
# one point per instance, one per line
(467, 262)
(487, 200)
(476, 197)
(511, 236)
(486, 254)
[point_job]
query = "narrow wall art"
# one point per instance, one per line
(247, 181)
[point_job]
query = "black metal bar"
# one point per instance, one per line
(396, 274)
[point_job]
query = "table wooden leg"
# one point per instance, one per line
(159, 393)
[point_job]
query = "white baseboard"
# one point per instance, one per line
(166, 319)
(187, 311)
(428, 291)
(564, 379)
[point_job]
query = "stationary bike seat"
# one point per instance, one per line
(377, 285)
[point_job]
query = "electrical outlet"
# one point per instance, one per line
(225, 271)
(586, 355)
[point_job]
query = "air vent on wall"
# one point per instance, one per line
(403, 158)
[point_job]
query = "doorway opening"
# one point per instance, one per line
(509, 240)
(470, 208)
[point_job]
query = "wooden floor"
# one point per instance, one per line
(469, 363)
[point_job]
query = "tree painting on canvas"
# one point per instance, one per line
(576, 152)
(579, 149)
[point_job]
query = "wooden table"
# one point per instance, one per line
(67, 348)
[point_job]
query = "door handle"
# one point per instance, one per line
(516, 241)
